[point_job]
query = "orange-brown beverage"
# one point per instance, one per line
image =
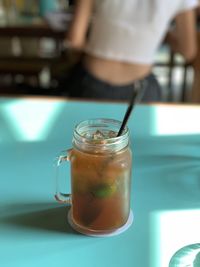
(101, 166)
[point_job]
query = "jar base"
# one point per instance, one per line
(94, 233)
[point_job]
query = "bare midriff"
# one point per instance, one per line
(115, 72)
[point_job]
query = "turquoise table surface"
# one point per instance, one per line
(165, 199)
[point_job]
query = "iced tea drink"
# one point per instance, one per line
(100, 176)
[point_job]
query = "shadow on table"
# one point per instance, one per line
(40, 217)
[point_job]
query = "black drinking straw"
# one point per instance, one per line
(136, 95)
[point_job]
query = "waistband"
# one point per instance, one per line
(114, 89)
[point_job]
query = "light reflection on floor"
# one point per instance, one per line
(30, 120)
(170, 231)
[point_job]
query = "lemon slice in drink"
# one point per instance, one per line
(104, 190)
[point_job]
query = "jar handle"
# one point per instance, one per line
(59, 196)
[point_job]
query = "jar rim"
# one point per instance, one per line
(102, 123)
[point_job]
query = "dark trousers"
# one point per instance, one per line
(81, 84)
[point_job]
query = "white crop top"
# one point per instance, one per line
(132, 30)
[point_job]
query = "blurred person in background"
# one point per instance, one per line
(118, 40)
(195, 90)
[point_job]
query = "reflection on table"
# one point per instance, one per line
(165, 186)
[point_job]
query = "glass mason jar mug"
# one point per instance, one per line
(101, 166)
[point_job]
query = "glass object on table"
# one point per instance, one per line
(101, 164)
(188, 256)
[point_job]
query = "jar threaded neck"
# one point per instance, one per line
(84, 131)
